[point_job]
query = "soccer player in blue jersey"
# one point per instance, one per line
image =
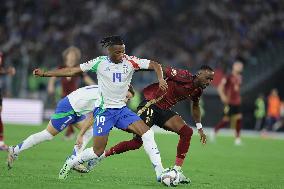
(114, 73)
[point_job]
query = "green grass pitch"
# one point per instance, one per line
(259, 163)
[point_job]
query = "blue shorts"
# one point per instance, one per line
(64, 115)
(112, 117)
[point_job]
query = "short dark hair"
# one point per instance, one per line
(112, 40)
(206, 67)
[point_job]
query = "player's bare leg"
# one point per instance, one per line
(178, 125)
(221, 124)
(238, 126)
(147, 136)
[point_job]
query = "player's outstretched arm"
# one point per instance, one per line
(9, 71)
(197, 118)
(64, 72)
(158, 69)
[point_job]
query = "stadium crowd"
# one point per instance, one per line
(181, 33)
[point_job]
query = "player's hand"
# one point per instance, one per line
(11, 71)
(202, 136)
(38, 72)
(79, 141)
(163, 85)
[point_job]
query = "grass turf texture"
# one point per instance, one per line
(257, 164)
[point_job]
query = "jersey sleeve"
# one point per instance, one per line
(92, 65)
(138, 63)
(177, 74)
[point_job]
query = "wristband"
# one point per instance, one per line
(198, 126)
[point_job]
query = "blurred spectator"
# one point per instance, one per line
(259, 112)
(280, 123)
(71, 57)
(188, 34)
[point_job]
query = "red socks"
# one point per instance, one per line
(124, 146)
(185, 134)
(220, 125)
(238, 127)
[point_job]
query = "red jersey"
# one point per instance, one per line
(1, 59)
(180, 87)
(232, 89)
(69, 84)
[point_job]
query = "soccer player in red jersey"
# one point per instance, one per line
(71, 57)
(181, 85)
(229, 91)
(3, 71)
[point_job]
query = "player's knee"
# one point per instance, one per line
(139, 128)
(186, 131)
(47, 135)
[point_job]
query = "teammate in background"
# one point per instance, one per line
(229, 91)
(114, 73)
(70, 110)
(71, 57)
(181, 85)
(3, 71)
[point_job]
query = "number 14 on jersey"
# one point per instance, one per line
(116, 77)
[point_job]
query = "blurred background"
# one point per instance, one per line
(183, 34)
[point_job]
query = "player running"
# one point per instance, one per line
(155, 109)
(70, 110)
(114, 73)
(3, 71)
(230, 94)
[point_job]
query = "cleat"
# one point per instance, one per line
(238, 142)
(92, 164)
(63, 174)
(4, 147)
(11, 157)
(182, 179)
(159, 177)
(81, 168)
(212, 136)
